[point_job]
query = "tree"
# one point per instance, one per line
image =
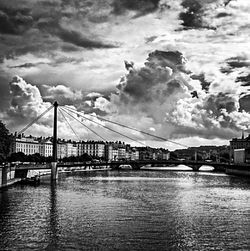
(20, 156)
(5, 141)
(36, 157)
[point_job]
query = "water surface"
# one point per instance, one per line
(128, 210)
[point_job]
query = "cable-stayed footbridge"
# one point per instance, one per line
(68, 112)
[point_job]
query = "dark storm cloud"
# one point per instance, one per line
(78, 39)
(223, 14)
(15, 22)
(36, 45)
(245, 80)
(226, 2)
(142, 7)
(245, 100)
(69, 48)
(150, 39)
(26, 65)
(204, 84)
(245, 103)
(63, 60)
(238, 62)
(192, 17)
(226, 70)
(234, 63)
(4, 92)
(37, 27)
(216, 103)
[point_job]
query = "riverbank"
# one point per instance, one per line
(10, 183)
(11, 180)
(42, 173)
(238, 172)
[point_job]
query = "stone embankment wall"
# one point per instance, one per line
(238, 172)
(7, 176)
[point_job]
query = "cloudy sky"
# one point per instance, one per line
(186, 76)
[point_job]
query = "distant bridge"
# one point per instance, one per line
(21, 170)
(135, 164)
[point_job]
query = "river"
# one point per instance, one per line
(128, 210)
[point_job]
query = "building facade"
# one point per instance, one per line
(242, 143)
(111, 151)
(93, 148)
(26, 145)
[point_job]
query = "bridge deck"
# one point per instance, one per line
(138, 163)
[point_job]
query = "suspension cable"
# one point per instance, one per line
(105, 126)
(61, 112)
(137, 130)
(83, 124)
(35, 120)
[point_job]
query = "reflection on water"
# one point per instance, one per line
(178, 168)
(128, 210)
(206, 168)
(54, 229)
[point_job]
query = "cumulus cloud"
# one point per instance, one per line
(161, 90)
(71, 43)
(61, 93)
(155, 97)
(26, 102)
(159, 83)
(93, 95)
(92, 102)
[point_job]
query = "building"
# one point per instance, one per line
(240, 147)
(241, 156)
(145, 153)
(161, 154)
(242, 143)
(121, 152)
(26, 145)
(31, 145)
(61, 149)
(117, 151)
(112, 151)
(46, 147)
(134, 154)
(108, 152)
(71, 149)
(93, 148)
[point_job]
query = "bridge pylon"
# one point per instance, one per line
(54, 171)
(3, 174)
